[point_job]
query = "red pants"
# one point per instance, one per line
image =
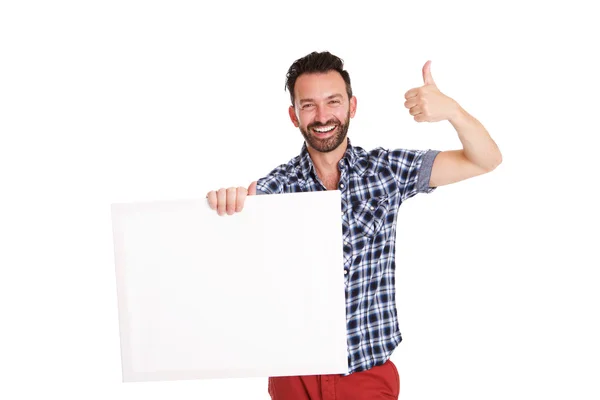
(381, 382)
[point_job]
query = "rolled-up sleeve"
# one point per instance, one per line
(412, 170)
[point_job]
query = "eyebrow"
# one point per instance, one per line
(333, 96)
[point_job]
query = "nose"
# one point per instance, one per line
(322, 115)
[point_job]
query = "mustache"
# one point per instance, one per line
(317, 124)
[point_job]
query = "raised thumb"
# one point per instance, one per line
(427, 78)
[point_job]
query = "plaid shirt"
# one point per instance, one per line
(373, 185)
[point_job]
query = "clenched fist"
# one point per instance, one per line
(230, 200)
(427, 103)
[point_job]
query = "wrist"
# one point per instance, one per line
(458, 115)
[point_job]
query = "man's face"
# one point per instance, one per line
(322, 109)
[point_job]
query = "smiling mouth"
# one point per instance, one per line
(324, 129)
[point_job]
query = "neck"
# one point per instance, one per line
(327, 163)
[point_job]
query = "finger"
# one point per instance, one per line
(427, 77)
(252, 189)
(421, 118)
(221, 201)
(410, 103)
(411, 93)
(212, 199)
(231, 195)
(241, 198)
(416, 110)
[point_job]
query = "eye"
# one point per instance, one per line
(307, 106)
(334, 102)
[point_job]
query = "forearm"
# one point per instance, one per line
(478, 146)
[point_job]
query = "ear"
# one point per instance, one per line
(293, 117)
(352, 106)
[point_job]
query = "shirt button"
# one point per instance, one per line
(345, 272)
(342, 185)
(372, 208)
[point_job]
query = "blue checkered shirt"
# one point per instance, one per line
(373, 185)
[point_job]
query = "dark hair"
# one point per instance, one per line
(316, 63)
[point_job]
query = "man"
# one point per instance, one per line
(373, 185)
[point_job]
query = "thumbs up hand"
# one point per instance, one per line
(427, 103)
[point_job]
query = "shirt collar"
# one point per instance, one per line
(350, 159)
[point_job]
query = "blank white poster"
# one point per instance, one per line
(258, 293)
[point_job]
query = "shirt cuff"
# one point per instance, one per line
(425, 172)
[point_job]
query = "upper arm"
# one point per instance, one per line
(412, 170)
(452, 166)
(270, 184)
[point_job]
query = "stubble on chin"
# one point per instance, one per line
(329, 144)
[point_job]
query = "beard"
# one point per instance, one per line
(331, 143)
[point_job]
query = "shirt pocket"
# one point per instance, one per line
(369, 215)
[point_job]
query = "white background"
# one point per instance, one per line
(115, 101)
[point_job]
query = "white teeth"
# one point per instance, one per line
(324, 129)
